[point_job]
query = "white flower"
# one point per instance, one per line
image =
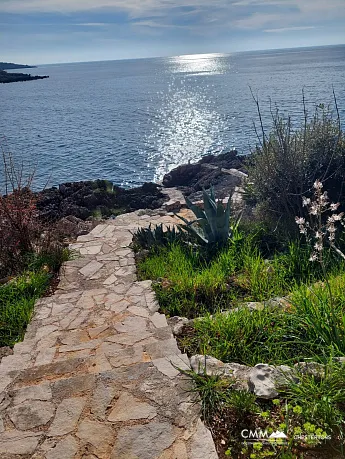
(318, 246)
(305, 201)
(313, 257)
(302, 230)
(317, 185)
(331, 237)
(313, 209)
(331, 228)
(300, 220)
(334, 206)
(338, 217)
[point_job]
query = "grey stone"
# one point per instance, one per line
(91, 268)
(138, 311)
(66, 448)
(265, 380)
(129, 408)
(177, 324)
(169, 365)
(65, 388)
(240, 373)
(132, 325)
(102, 398)
(129, 338)
(96, 331)
(144, 442)
(21, 443)
(160, 349)
(67, 416)
(201, 444)
(53, 369)
(40, 392)
(311, 368)
(45, 356)
(206, 364)
(92, 344)
(6, 379)
(158, 320)
(30, 414)
(73, 338)
(98, 434)
(14, 362)
(5, 401)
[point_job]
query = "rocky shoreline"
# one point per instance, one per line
(6, 77)
(89, 200)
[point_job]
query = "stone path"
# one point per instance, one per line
(95, 376)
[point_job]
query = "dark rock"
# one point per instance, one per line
(73, 227)
(182, 176)
(101, 197)
(209, 171)
(6, 77)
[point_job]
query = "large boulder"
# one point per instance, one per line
(224, 172)
(265, 381)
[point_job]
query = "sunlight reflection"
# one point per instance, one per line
(211, 64)
(187, 127)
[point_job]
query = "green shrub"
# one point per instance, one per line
(285, 165)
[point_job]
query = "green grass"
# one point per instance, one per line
(312, 327)
(189, 284)
(17, 300)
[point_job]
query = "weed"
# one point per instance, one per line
(213, 391)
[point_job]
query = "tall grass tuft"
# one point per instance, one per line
(286, 163)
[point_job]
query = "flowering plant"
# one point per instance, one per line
(322, 224)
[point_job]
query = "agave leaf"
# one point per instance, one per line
(199, 213)
(211, 215)
(212, 195)
(225, 218)
(194, 232)
(188, 222)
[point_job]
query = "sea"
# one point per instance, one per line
(131, 121)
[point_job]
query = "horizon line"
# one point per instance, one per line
(189, 54)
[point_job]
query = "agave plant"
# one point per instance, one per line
(212, 225)
(150, 237)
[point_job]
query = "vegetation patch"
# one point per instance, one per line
(304, 422)
(260, 293)
(17, 300)
(31, 253)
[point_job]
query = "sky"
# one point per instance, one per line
(55, 31)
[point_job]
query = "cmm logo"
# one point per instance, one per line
(261, 435)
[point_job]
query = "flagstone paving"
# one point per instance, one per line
(96, 375)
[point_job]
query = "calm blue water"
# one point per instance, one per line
(131, 121)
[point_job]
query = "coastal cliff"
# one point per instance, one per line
(6, 77)
(15, 77)
(11, 66)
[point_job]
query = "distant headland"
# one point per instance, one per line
(6, 77)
